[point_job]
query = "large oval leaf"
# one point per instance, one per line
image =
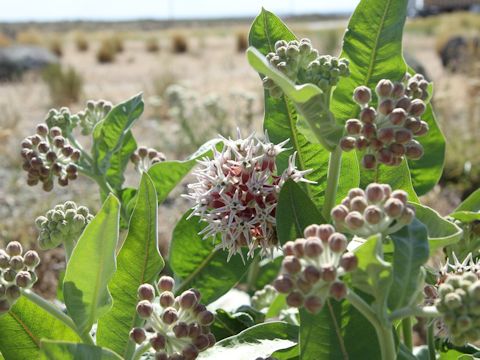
(198, 264)
(23, 328)
(53, 350)
(281, 119)
(258, 341)
(91, 267)
(411, 252)
(138, 262)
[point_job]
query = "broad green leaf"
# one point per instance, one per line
(227, 324)
(411, 252)
(441, 232)
(113, 143)
(292, 353)
(277, 305)
(24, 326)
(295, 211)
(138, 262)
(53, 350)
(91, 267)
(471, 203)
(373, 45)
(465, 216)
(258, 341)
(269, 270)
(198, 264)
(373, 275)
(335, 333)
(281, 120)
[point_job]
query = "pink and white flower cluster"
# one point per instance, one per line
(236, 193)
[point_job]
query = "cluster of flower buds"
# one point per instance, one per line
(386, 135)
(47, 155)
(378, 209)
(313, 267)
(143, 158)
(302, 64)
(16, 271)
(176, 327)
(62, 119)
(63, 223)
(93, 113)
(237, 193)
(459, 303)
(263, 298)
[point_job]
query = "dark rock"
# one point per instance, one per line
(458, 51)
(15, 60)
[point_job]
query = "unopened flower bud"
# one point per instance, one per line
(158, 342)
(353, 127)
(373, 214)
(337, 242)
(291, 264)
(283, 284)
(188, 299)
(14, 248)
(13, 293)
(311, 274)
(384, 88)
(367, 115)
(313, 304)
(31, 259)
(394, 207)
(349, 262)
(206, 318)
(329, 273)
(369, 161)
(146, 292)
(166, 283)
(138, 335)
(144, 309)
(339, 213)
(166, 299)
(295, 299)
(180, 330)
(354, 220)
(201, 342)
(313, 247)
(23, 279)
(338, 290)
(169, 315)
(362, 95)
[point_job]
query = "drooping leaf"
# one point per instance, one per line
(227, 324)
(411, 252)
(73, 351)
(113, 143)
(441, 232)
(295, 211)
(471, 203)
(258, 341)
(24, 326)
(281, 120)
(138, 262)
(91, 267)
(335, 333)
(198, 264)
(292, 353)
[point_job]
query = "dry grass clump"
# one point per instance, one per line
(152, 45)
(56, 46)
(81, 42)
(5, 40)
(242, 41)
(65, 86)
(106, 52)
(117, 43)
(28, 37)
(179, 43)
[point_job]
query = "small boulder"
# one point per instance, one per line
(15, 60)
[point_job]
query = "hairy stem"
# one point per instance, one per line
(407, 332)
(56, 313)
(425, 312)
(68, 245)
(431, 342)
(333, 176)
(382, 328)
(140, 351)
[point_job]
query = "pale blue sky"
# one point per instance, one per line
(51, 10)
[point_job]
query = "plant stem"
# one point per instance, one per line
(56, 313)
(68, 245)
(253, 271)
(141, 350)
(383, 330)
(334, 165)
(100, 180)
(407, 332)
(425, 312)
(431, 342)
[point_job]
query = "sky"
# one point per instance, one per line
(52, 10)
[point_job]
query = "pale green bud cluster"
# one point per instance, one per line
(263, 298)
(16, 271)
(61, 224)
(302, 64)
(62, 119)
(95, 112)
(459, 303)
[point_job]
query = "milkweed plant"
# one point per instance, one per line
(305, 241)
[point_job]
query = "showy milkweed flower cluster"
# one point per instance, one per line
(16, 271)
(313, 267)
(302, 64)
(386, 134)
(236, 193)
(378, 209)
(48, 155)
(176, 327)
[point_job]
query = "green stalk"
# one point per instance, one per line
(431, 342)
(425, 312)
(407, 332)
(56, 313)
(334, 165)
(253, 271)
(383, 330)
(69, 245)
(140, 351)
